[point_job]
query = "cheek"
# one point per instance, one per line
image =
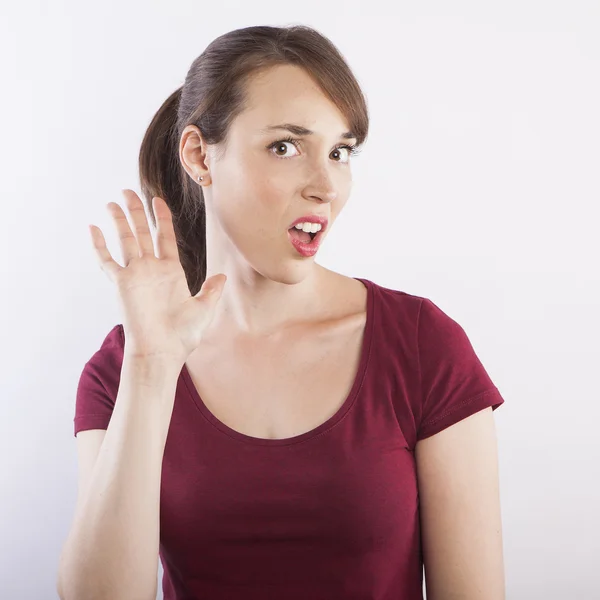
(253, 210)
(268, 193)
(338, 206)
(269, 208)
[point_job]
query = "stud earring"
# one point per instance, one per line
(200, 178)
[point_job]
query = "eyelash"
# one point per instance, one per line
(352, 148)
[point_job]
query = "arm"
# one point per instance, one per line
(112, 548)
(461, 526)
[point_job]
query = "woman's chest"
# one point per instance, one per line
(281, 390)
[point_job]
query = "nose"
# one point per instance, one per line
(321, 187)
(328, 196)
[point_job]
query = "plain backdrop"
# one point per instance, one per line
(478, 188)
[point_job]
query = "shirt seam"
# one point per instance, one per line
(421, 403)
(459, 406)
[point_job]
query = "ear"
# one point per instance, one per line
(194, 153)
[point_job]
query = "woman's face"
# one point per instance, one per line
(262, 184)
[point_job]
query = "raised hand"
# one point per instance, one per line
(160, 316)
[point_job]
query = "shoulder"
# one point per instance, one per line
(98, 384)
(104, 365)
(417, 313)
(397, 307)
(111, 347)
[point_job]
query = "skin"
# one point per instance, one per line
(253, 194)
(461, 523)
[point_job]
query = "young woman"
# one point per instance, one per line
(268, 427)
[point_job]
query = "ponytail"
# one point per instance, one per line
(161, 174)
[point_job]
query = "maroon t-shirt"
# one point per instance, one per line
(332, 513)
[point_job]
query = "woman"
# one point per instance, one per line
(271, 428)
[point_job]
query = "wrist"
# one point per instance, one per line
(153, 365)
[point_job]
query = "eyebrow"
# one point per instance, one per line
(299, 130)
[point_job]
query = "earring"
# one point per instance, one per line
(200, 178)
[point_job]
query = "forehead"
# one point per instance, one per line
(287, 94)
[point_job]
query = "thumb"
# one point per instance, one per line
(211, 287)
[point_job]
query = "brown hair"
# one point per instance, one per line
(211, 98)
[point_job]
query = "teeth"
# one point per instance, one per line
(309, 227)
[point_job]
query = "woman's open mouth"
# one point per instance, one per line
(306, 243)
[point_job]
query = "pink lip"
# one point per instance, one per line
(311, 219)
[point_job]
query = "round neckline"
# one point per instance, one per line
(323, 427)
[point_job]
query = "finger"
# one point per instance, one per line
(140, 222)
(166, 242)
(127, 240)
(106, 261)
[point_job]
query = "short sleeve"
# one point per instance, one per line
(99, 384)
(454, 382)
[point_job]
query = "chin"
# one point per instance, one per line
(293, 272)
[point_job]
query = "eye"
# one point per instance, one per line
(279, 143)
(351, 148)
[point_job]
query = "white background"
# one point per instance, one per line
(478, 188)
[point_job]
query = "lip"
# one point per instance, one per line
(322, 220)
